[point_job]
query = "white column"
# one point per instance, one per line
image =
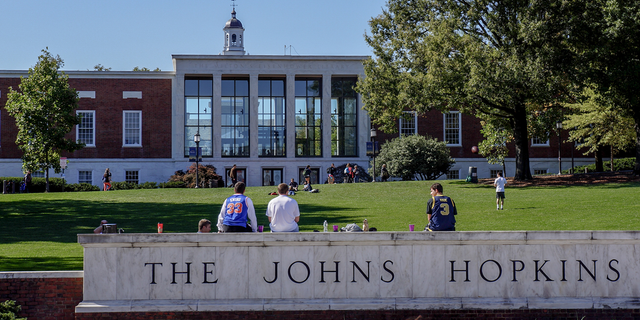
(253, 116)
(326, 116)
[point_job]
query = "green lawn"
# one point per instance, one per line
(38, 231)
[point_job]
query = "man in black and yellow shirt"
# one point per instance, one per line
(441, 211)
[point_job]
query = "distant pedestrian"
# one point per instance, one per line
(499, 184)
(347, 173)
(233, 174)
(27, 181)
(356, 173)
(106, 180)
(331, 171)
(385, 173)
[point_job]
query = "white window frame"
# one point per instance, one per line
(124, 128)
(493, 173)
(540, 171)
(90, 176)
(455, 170)
(444, 129)
(93, 127)
(537, 143)
(137, 171)
(415, 124)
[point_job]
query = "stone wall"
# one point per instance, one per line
(43, 295)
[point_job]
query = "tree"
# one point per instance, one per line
(415, 156)
(598, 123)
(8, 310)
(480, 57)
(44, 113)
(145, 69)
(99, 67)
(494, 146)
(605, 42)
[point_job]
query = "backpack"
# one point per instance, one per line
(329, 170)
(347, 170)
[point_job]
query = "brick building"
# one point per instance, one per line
(269, 115)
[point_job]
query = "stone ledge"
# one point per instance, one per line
(355, 304)
(40, 274)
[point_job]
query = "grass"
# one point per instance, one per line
(38, 231)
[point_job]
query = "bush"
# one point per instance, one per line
(206, 173)
(147, 185)
(8, 310)
(80, 187)
(122, 185)
(172, 184)
(38, 184)
(415, 156)
(618, 165)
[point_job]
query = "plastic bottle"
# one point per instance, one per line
(325, 225)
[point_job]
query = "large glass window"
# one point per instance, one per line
(271, 177)
(235, 118)
(344, 133)
(85, 131)
(271, 118)
(452, 127)
(198, 96)
(308, 118)
(132, 128)
(131, 176)
(408, 123)
(85, 177)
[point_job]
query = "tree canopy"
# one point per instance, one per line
(44, 112)
(485, 58)
(415, 156)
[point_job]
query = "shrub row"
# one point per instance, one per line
(618, 165)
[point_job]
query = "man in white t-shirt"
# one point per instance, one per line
(499, 184)
(283, 212)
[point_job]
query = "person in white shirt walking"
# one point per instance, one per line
(499, 184)
(283, 212)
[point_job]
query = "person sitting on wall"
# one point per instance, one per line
(235, 211)
(283, 212)
(441, 211)
(204, 226)
(98, 230)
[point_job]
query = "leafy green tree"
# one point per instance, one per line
(8, 310)
(44, 112)
(605, 41)
(414, 156)
(485, 58)
(145, 69)
(598, 123)
(494, 146)
(99, 67)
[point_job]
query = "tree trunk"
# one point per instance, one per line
(636, 118)
(521, 139)
(611, 158)
(599, 165)
(46, 189)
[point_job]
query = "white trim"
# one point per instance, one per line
(415, 123)
(546, 144)
(87, 94)
(93, 127)
(444, 129)
(132, 94)
(124, 144)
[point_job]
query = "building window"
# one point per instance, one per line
(308, 118)
(494, 173)
(85, 131)
(37, 174)
(540, 171)
(408, 123)
(198, 94)
(131, 176)
(85, 177)
(271, 177)
(132, 128)
(453, 174)
(313, 179)
(538, 142)
(241, 173)
(452, 128)
(271, 118)
(235, 118)
(344, 133)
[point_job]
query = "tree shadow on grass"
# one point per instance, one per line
(49, 263)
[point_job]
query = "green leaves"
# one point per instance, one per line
(415, 156)
(44, 112)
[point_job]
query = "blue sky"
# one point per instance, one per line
(123, 34)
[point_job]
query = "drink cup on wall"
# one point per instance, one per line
(160, 227)
(260, 228)
(411, 227)
(335, 228)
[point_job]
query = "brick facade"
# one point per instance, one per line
(43, 298)
(108, 105)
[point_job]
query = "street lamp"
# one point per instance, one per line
(373, 135)
(559, 127)
(196, 139)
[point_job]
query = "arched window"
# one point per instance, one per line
(233, 39)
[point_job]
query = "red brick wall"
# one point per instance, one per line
(43, 298)
(108, 105)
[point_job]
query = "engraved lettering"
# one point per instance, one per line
(355, 266)
(465, 270)
(153, 270)
(305, 265)
(499, 271)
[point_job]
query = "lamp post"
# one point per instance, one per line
(196, 139)
(559, 127)
(373, 135)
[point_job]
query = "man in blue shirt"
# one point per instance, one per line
(235, 211)
(441, 211)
